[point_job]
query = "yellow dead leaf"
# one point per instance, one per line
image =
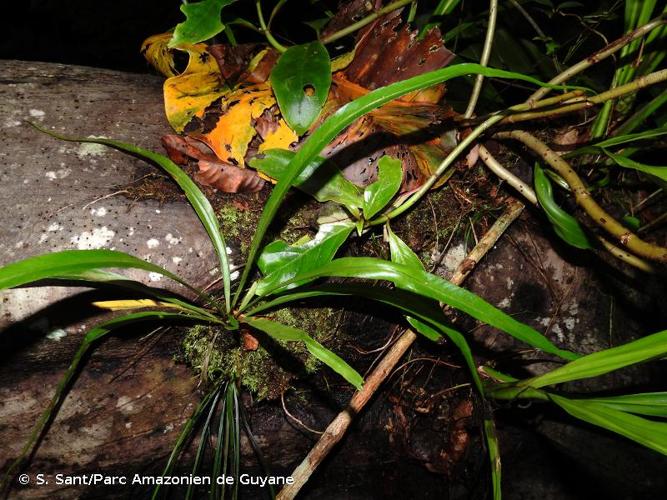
(187, 94)
(122, 305)
(156, 51)
(280, 138)
(190, 93)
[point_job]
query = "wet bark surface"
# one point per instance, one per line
(126, 408)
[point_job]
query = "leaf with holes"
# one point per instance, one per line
(301, 81)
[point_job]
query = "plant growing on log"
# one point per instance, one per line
(279, 273)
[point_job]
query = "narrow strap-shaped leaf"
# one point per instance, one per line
(649, 347)
(458, 340)
(197, 199)
(286, 333)
(652, 404)
(184, 436)
(89, 340)
(626, 138)
(99, 276)
(343, 117)
(424, 315)
(659, 171)
(76, 265)
(494, 456)
(645, 432)
(432, 286)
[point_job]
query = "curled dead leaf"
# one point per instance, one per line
(211, 171)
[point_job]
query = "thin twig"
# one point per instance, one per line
(337, 428)
(484, 60)
(605, 52)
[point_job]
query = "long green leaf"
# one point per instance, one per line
(642, 114)
(343, 117)
(184, 437)
(599, 363)
(434, 287)
(300, 80)
(653, 404)
(457, 339)
(197, 199)
(403, 254)
(286, 333)
(646, 432)
(565, 226)
(98, 276)
(76, 264)
(94, 335)
(618, 140)
(494, 456)
(625, 162)
(424, 315)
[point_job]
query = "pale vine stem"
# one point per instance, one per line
(339, 425)
(528, 193)
(529, 104)
(484, 59)
(584, 199)
(580, 103)
(511, 179)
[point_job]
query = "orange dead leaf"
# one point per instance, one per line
(234, 118)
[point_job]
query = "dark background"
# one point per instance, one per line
(108, 34)
(102, 33)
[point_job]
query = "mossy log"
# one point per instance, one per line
(126, 408)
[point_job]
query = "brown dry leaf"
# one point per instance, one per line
(200, 103)
(248, 62)
(349, 13)
(212, 172)
(412, 128)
